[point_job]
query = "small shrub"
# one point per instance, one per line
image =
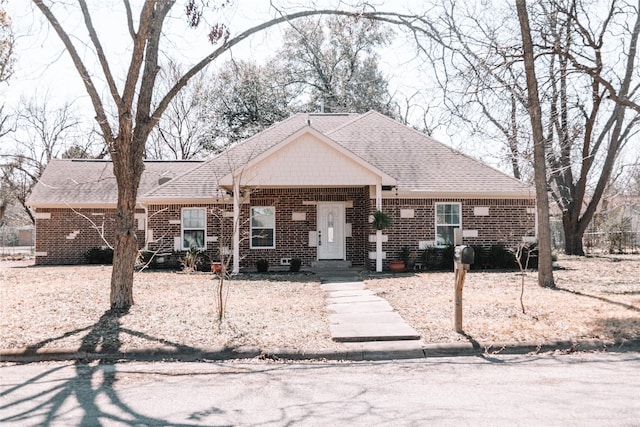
(501, 257)
(428, 257)
(262, 265)
(99, 255)
(446, 257)
(295, 265)
(479, 257)
(434, 258)
(193, 260)
(405, 256)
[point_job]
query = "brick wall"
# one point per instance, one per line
(292, 233)
(495, 221)
(64, 235)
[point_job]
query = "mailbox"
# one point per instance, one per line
(464, 254)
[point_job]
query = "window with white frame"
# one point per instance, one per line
(193, 228)
(448, 218)
(263, 227)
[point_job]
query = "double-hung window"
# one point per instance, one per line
(263, 227)
(448, 218)
(193, 228)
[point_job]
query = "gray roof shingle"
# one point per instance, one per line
(419, 164)
(91, 182)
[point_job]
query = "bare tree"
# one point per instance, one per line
(182, 129)
(545, 263)
(126, 133)
(588, 82)
(7, 57)
(44, 133)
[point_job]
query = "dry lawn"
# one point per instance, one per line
(64, 307)
(596, 298)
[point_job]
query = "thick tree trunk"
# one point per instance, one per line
(124, 255)
(572, 236)
(545, 262)
(128, 166)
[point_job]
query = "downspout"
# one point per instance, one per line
(379, 232)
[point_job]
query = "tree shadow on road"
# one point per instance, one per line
(89, 386)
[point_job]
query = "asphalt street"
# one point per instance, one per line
(596, 389)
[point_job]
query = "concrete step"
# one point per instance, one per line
(346, 332)
(331, 265)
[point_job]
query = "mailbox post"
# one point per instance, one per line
(462, 259)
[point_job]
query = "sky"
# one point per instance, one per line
(43, 67)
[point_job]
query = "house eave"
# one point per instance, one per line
(75, 205)
(460, 195)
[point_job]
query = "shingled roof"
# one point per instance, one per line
(420, 165)
(92, 183)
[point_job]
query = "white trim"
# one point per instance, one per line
(265, 228)
(182, 228)
(42, 215)
(435, 219)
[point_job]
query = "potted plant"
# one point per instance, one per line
(216, 266)
(381, 220)
(402, 263)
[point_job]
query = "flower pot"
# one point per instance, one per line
(216, 267)
(396, 266)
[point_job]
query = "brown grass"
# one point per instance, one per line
(64, 307)
(59, 307)
(596, 298)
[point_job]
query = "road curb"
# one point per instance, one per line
(363, 354)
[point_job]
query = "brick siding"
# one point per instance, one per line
(508, 220)
(68, 234)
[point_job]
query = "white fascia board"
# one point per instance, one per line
(462, 195)
(181, 201)
(76, 206)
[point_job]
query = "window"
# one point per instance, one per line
(448, 218)
(263, 226)
(193, 228)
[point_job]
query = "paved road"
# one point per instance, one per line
(580, 389)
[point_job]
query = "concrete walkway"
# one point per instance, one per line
(360, 316)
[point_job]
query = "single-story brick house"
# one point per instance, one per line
(305, 188)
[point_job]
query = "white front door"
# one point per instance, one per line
(331, 241)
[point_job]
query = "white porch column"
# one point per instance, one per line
(379, 232)
(236, 226)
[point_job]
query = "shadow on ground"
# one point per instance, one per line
(91, 382)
